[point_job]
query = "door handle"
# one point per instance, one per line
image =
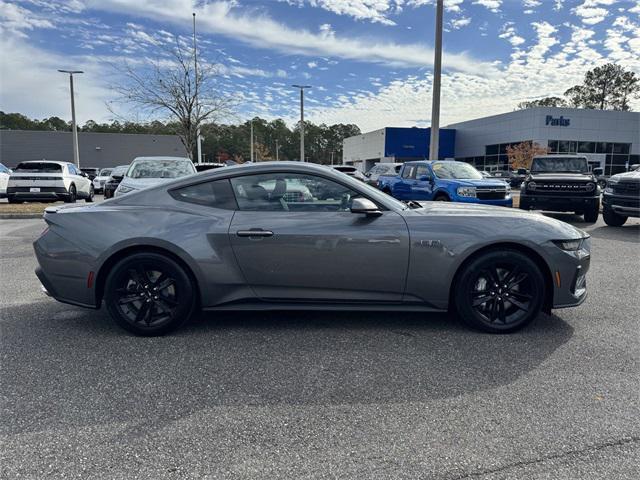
(254, 232)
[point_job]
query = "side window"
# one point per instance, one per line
(422, 170)
(72, 170)
(294, 192)
(409, 171)
(216, 194)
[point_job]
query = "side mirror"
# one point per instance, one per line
(364, 205)
(598, 171)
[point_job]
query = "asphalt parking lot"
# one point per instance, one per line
(322, 395)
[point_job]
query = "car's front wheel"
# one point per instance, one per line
(499, 291)
(92, 193)
(612, 219)
(149, 294)
(591, 214)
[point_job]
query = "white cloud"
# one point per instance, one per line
(375, 11)
(509, 32)
(593, 11)
(257, 29)
(636, 8)
(532, 3)
(15, 20)
(312, 64)
(493, 5)
(460, 22)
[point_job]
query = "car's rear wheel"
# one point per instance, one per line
(149, 294)
(13, 200)
(499, 292)
(441, 198)
(71, 197)
(92, 193)
(612, 219)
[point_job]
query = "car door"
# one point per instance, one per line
(422, 187)
(81, 183)
(295, 239)
(403, 185)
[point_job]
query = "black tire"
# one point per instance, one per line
(591, 214)
(89, 199)
(71, 197)
(499, 291)
(441, 198)
(13, 200)
(133, 303)
(612, 219)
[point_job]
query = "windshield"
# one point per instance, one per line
(105, 172)
(455, 170)
(560, 165)
(161, 169)
(38, 167)
(119, 171)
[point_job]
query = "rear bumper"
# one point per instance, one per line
(558, 203)
(628, 206)
(45, 193)
(49, 290)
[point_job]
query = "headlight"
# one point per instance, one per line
(467, 191)
(609, 187)
(590, 187)
(125, 189)
(531, 186)
(569, 245)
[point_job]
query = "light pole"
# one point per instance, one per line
(76, 154)
(195, 67)
(251, 148)
(437, 73)
(301, 87)
(277, 148)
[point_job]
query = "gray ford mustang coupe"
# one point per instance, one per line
(292, 235)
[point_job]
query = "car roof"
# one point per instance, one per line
(45, 161)
(161, 158)
(561, 155)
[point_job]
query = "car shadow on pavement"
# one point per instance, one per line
(64, 366)
(626, 233)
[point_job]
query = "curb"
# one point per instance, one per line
(20, 216)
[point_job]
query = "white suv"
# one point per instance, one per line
(45, 180)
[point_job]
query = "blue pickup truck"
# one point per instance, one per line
(448, 181)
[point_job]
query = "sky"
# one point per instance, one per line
(369, 62)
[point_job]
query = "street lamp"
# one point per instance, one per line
(76, 155)
(301, 87)
(435, 98)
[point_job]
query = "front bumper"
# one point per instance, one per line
(558, 203)
(569, 272)
(626, 205)
(503, 202)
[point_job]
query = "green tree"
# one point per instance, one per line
(609, 87)
(543, 102)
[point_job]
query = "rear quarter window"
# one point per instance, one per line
(215, 194)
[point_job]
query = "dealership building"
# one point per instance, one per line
(97, 150)
(610, 139)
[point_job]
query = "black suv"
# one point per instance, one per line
(561, 183)
(621, 198)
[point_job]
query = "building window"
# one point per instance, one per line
(586, 147)
(621, 148)
(603, 147)
(492, 149)
(553, 146)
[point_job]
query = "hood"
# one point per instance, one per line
(627, 176)
(482, 182)
(140, 183)
(561, 177)
(516, 219)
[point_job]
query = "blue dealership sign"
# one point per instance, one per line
(557, 122)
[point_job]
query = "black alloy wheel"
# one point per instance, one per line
(92, 193)
(613, 219)
(441, 198)
(591, 214)
(149, 294)
(500, 291)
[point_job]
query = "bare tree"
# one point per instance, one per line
(180, 87)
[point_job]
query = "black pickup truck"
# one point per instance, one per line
(561, 183)
(621, 198)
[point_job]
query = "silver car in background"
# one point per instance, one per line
(236, 238)
(100, 179)
(145, 172)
